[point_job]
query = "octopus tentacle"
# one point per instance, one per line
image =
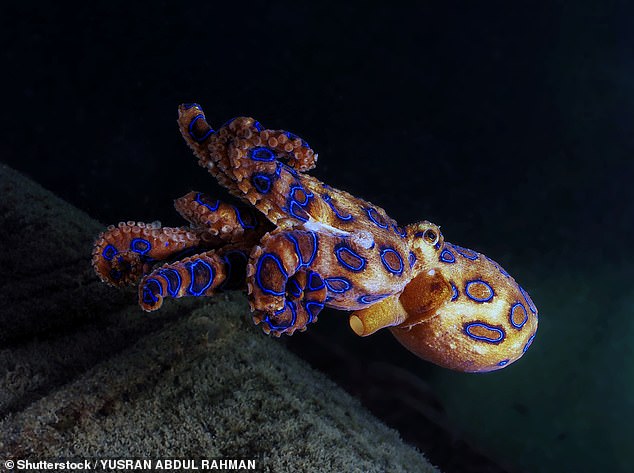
(241, 154)
(286, 146)
(195, 129)
(257, 162)
(201, 275)
(207, 144)
(223, 221)
(123, 253)
(285, 294)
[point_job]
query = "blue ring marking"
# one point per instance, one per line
(307, 195)
(173, 280)
(399, 231)
(314, 252)
(199, 200)
(504, 362)
(454, 292)
(115, 274)
(398, 271)
(300, 258)
(412, 259)
(528, 344)
(187, 106)
(145, 246)
(473, 298)
(419, 234)
(511, 315)
(499, 331)
(467, 253)
(328, 200)
(194, 268)
(344, 249)
(257, 125)
(528, 299)
(191, 129)
(291, 306)
(149, 296)
(109, 252)
(241, 221)
(261, 153)
(294, 199)
(258, 270)
(296, 210)
(295, 206)
(293, 287)
(447, 256)
(379, 223)
(312, 285)
(371, 298)
(337, 285)
(312, 313)
(261, 182)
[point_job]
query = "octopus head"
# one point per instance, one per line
(460, 310)
(464, 312)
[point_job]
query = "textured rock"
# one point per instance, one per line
(88, 375)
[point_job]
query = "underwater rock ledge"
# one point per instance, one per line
(87, 374)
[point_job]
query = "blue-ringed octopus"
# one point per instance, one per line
(299, 245)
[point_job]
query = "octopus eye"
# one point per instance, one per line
(431, 236)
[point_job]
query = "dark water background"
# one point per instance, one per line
(509, 125)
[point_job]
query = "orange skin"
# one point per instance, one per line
(299, 245)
